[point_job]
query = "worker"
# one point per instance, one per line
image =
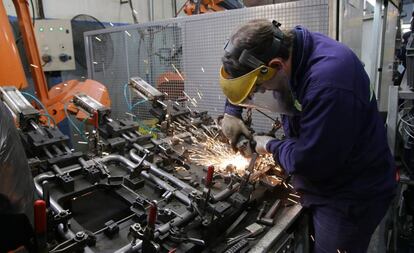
(335, 147)
(16, 188)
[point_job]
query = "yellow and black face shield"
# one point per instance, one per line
(237, 89)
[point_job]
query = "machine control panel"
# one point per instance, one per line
(55, 42)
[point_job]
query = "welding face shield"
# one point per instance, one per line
(262, 88)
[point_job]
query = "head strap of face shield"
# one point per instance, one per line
(249, 58)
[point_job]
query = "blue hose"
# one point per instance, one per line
(137, 103)
(82, 125)
(130, 107)
(126, 96)
(65, 108)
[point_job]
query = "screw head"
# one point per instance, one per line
(80, 235)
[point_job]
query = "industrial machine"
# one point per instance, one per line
(203, 6)
(185, 191)
(45, 145)
(11, 71)
(54, 38)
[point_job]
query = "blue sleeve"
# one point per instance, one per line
(233, 110)
(326, 135)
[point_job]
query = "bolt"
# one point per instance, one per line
(80, 235)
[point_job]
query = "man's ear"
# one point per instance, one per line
(276, 63)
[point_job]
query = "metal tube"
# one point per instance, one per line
(37, 128)
(155, 170)
(126, 137)
(57, 150)
(179, 195)
(38, 181)
(46, 192)
(47, 152)
(174, 8)
(139, 148)
(83, 162)
(67, 149)
(118, 158)
(71, 168)
(224, 193)
(132, 135)
(178, 221)
(57, 170)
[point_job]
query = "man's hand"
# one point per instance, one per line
(261, 143)
(233, 128)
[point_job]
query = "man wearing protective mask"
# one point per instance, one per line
(335, 146)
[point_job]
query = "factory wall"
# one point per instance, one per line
(103, 10)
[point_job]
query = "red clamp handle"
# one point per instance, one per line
(40, 216)
(209, 177)
(152, 214)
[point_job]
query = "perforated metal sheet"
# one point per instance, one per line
(188, 48)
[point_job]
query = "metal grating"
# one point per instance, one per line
(185, 53)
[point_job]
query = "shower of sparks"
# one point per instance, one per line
(192, 100)
(162, 103)
(34, 66)
(178, 72)
(98, 39)
(111, 24)
(130, 114)
(202, 69)
(166, 79)
(294, 195)
(291, 200)
(218, 154)
(128, 33)
(226, 161)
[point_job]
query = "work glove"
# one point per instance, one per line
(233, 128)
(261, 143)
